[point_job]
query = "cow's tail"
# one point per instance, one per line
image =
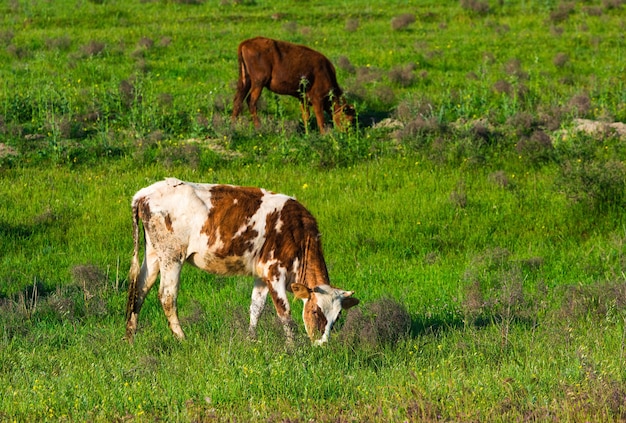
(133, 274)
(244, 76)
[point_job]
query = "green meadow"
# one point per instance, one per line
(476, 209)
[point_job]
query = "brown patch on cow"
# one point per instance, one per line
(168, 223)
(297, 239)
(314, 318)
(144, 209)
(230, 265)
(289, 69)
(230, 208)
(279, 303)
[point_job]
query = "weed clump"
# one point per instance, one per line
(93, 48)
(560, 59)
(402, 21)
(403, 75)
(476, 6)
(580, 104)
(344, 63)
(352, 25)
(383, 322)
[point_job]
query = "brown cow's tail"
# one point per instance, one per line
(133, 274)
(243, 69)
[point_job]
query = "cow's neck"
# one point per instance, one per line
(314, 272)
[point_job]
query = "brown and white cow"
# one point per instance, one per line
(230, 230)
(290, 69)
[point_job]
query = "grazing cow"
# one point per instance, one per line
(230, 230)
(290, 69)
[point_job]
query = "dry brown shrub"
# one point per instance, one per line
(383, 322)
(458, 196)
(580, 103)
(613, 4)
(344, 64)
(18, 52)
(6, 37)
(384, 94)
(403, 75)
(514, 68)
(596, 300)
(367, 74)
(128, 94)
(522, 122)
(560, 60)
(499, 178)
(537, 148)
(419, 126)
(90, 278)
(165, 41)
(59, 43)
(562, 12)
(503, 87)
(476, 6)
(352, 25)
(402, 21)
(93, 48)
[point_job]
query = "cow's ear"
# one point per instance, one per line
(349, 301)
(300, 291)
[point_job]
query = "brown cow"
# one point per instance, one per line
(230, 230)
(290, 69)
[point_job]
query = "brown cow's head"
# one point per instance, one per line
(322, 306)
(344, 114)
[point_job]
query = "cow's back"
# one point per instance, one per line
(223, 229)
(288, 68)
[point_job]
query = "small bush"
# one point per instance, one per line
(402, 21)
(403, 75)
(476, 6)
(597, 183)
(383, 323)
(562, 12)
(344, 63)
(560, 60)
(352, 25)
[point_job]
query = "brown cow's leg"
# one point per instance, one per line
(242, 92)
(281, 303)
(147, 277)
(255, 93)
(318, 108)
(168, 292)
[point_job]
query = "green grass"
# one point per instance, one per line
(484, 216)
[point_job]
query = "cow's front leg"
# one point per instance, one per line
(318, 108)
(259, 296)
(278, 292)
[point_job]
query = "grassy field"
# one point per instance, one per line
(483, 234)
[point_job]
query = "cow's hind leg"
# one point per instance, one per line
(259, 296)
(168, 293)
(145, 281)
(243, 91)
(253, 98)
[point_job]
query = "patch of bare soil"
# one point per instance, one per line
(595, 127)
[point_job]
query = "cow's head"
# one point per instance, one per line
(344, 114)
(322, 306)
